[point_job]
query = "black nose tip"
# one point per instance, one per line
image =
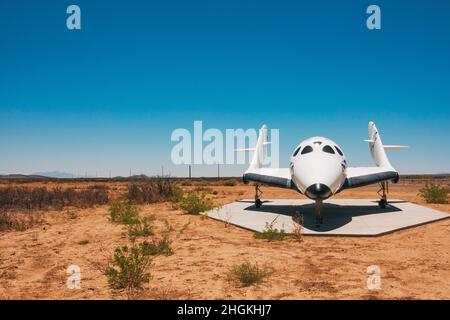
(318, 191)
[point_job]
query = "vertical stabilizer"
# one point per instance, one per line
(260, 149)
(376, 147)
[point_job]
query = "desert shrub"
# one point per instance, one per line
(434, 193)
(83, 242)
(20, 198)
(18, 221)
(184, 228)
(158, 247)
(124, 213)
(153, 190)
(298, 222)
(91, 197)
(270, 233)
(230, 183)
(141, 227)
(98, 187)
(195, 203)
(248, 274)
(203, 189)
(176, 197)
(72, 215)
(128, 269)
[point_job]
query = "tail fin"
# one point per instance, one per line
(261, 149)
(376, 147)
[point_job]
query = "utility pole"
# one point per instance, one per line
(190, 172)
(218, 171)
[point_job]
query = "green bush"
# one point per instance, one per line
(128, 268)
(195, 203)
(160, 247)
(270, 233)
(248, 274)
(177, 195)
(434, 193)
(141, 227)
(124, 213)
(72, 215)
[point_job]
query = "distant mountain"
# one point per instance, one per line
(55, 174)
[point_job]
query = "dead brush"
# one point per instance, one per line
(203, 189)
(153, 190)
(298, 222)
(39, 198)
(19, 221)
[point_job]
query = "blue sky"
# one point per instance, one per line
(108, 97)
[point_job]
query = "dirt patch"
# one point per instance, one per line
(414, 263)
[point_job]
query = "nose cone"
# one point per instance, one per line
(318, 191)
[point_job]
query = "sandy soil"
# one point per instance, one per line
(415, 263)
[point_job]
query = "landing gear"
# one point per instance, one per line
(384, 190)
(258, 193)
(318, 213)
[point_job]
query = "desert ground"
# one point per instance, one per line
(415, 263)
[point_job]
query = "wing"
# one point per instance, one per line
(363, 176)
(278, 177)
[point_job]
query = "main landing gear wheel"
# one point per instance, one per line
(382, 203)
(258, 193)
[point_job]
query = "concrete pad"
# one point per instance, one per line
(342, 217)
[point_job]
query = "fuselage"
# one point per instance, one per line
(318, 168)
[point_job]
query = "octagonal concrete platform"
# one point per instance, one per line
(342, 217)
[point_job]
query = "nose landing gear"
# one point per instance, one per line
(384, 190)
(258, 193)
(318, 213)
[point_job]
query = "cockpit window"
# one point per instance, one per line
(328, 149)
(339, 151)
(307, 149)
(296, 151)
